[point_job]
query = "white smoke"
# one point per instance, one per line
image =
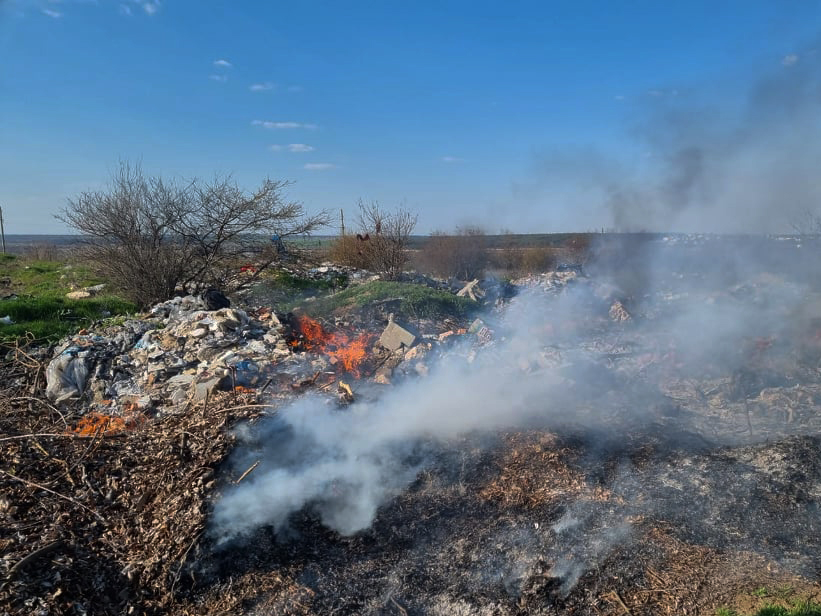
(348, 462)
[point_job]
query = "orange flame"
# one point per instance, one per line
(98, 423)
(312, 334)
(348, 353)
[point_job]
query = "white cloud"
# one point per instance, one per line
(619, 97)
(220, 78)
(275, 147)
(318, 166)
(789, 59)
(300, 147)
(125, 10)
(452, 159)
(51, 13)
(281, 125)
(223, 63)
(151, 7)
(261, 87)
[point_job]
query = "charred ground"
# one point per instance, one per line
(677, 476)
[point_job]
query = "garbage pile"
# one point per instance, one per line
(180, 352)
(490, 526)
(187, 348)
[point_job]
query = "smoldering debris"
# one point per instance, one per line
(650, 401)
(548, 456)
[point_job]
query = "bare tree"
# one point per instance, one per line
(153, 237)
(384, 237)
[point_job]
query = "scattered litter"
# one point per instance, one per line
(472, 290)
(396, 336)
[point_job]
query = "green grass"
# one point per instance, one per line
(33, 277)
(804, 608)
(51, 318)
(41, 309)
(415, 301)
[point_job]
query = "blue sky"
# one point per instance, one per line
(519, 115)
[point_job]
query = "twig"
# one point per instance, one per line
(50, 435)
(401, 609)
(246, 406)
(27, 560)
(63, 496)
(248, 472)
(182, 560)
(618, 598)
(41, 401)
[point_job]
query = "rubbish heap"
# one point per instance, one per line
(180, 352)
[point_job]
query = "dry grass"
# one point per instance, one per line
(532, 472)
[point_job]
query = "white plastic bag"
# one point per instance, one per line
(66, 377)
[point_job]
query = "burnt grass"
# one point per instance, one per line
(457, 542)
(675, 488)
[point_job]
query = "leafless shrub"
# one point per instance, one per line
(384, 237)
(152, 237)
(463, 255)
(348, 250)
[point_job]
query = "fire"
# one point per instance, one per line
(98, 423)
(346, 352)
(312, 336)
(350, 353)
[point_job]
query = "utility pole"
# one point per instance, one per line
(342, 218)
(2, 230)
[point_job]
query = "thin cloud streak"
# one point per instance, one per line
(300, 147)
(51, 13)
(318, 166)
(223, 63)
(262, 87)
(220, 78)
(282, 125)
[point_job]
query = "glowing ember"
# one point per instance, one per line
(97, 423)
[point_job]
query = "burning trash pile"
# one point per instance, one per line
(578, 447)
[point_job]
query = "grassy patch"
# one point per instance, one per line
(415, 300)
(33, 277)
(41, 309)
(800, 609)
(283, 280)
(51, 318)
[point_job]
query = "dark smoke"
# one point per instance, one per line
(703, 160)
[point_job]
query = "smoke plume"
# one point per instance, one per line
(702, 159)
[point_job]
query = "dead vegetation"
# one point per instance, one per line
(98, 514)
(603, 511)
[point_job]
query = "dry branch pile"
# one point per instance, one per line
(100, 520)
